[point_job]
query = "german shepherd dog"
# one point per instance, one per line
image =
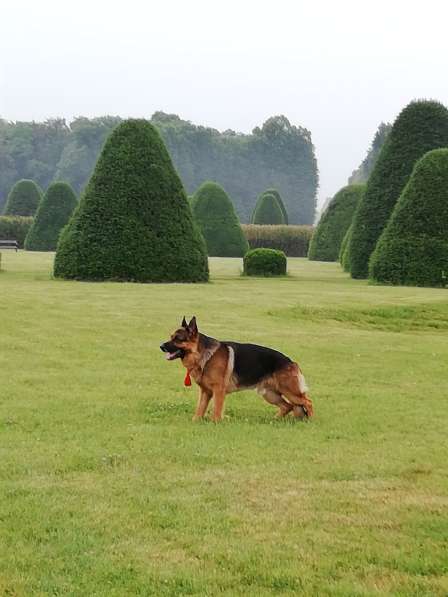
(221, 367)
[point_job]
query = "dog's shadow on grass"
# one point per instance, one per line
(169, 412)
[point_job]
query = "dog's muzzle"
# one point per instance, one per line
(172, 351)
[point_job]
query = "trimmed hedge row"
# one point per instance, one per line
(413, 249)
(420, 127)
(292, 240)
(265, 262)
(334, 223)
(15, 228)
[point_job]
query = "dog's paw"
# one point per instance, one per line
(299, 412)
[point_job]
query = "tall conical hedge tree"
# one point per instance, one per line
(23, 199)
(413, 249)
(133, 221)
(218, 222)
(268, 211)
(420, 127)
(328, 236)
(344, 255)
(52, 215)
(280, 202)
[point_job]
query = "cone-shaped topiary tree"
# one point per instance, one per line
(268, 210)
(420, 127)
(413, 248)
(133, 221)
(280, 202)
(344, 255)
(52, 215)
(334, 223)
(218, 222)
(23, 199)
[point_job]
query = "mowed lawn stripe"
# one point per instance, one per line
(108, 488)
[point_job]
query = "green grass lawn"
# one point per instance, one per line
(108, 488)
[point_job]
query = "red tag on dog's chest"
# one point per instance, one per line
(187, 380)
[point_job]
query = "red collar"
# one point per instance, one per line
(187, 380)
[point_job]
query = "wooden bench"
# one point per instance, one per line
(9, 244)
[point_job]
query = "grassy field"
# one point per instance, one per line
(108, 488)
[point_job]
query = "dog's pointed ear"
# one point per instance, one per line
(193, 326)
(184, 323)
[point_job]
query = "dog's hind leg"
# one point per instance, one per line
(303, 405)
(292, 385)
(275, 398)
(203, 402)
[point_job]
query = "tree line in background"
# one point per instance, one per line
(277, 154)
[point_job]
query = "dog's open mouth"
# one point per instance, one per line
(170, 356)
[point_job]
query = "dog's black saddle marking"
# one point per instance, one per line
(253, 363)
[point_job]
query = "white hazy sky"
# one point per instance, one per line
(338, 68)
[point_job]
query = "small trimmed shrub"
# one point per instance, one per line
(52, 215)
(216, 218)
(292, 240)
(413, 249)
(268, 211)
(133, 221)
(279, 200)
(334, 223)
(23, 199)
(15, 228)
(265, 262)
(344, 254)
(420, 127)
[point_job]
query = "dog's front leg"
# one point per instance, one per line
(201, 408)
(219, 395)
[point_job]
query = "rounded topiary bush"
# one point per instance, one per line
(133, 221)
(420, 127)
(215, 215)
(279, 201)
(23, 199)
(413, 248)
(268, 211)
(52, 215)
(334, 223)
(265, 262)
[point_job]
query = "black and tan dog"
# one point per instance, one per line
(221, 367)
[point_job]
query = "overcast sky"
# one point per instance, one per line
(337, 68)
